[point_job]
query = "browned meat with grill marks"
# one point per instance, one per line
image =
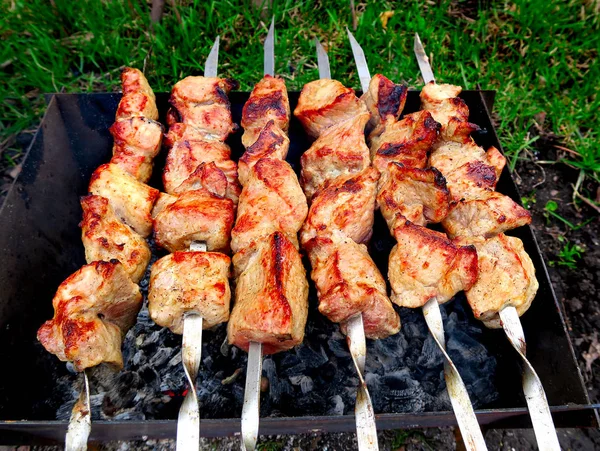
(268, 101)
(93, 309)
(105, 237)
(324, 103)
(486, 214)
(385, 101)
(346, 204)
(190, 282)
(407, 141)
(272, 142)
(163, 201)
(202, 102)
(271, 296)
(419, 195)
(131, 200)
(138, 98)
(339, 151)
(506, 278)
(195, 216)
(271, 200)
(137, 141)
(348, 283)
(426, 264)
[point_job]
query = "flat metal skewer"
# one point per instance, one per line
(539, 410)
(366, 429)
(459, 397)
(80, 424)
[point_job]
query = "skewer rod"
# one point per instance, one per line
(80, 424)
(251, 408)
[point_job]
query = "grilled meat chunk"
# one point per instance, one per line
(442, 101)
(268, 101)
(272, 142)
(506, 277)
(195, 216)
(138, 98)
(202, 102)
(93, 309)
(271, 200)
(407, 141)
(137, 141)
(487, 214)
(385, 101)
(324, 103)
(419, 195)
(346, 204)
(348, 283)
(425, 264)
(271, 296)
(339, 151)
(195, 282)
(131, 200)
(105, 237)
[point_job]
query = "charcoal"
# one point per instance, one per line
(337, 404)
(338, 347)
(292, 365)
(431, 356)
(278, 387)
(161, 357)
(312, 358)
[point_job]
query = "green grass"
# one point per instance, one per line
(541, 56)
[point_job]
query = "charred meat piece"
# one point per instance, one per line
(324, 103)
(93, 309)
(195, 216)
(271, 200)
(272, 142)
(442, 101)
(407, 141)
(202, 102)
(271, 296)
(137, 141)
(348, 283)
(138, 98)
(486, 214)
(385, 101)
(506, 277)
(194, 282)
(419, 195)
(268, 101)
(131, 200)
(425, 264)
(105, 237)
(339, 151)
(346, 204)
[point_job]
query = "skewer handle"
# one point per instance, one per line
(461, 403)
(251, 408)
(80, 424)
(366, 429)
(539, 410)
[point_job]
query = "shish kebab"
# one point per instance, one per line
(99, 303)
(340, 185)
(425, 268)
(479, 215)
(271, 294)
(189, 288)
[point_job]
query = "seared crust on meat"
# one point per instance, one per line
(105, 237)
(138, 98)
(425, 264)
(506, 277)
(271, 296)
(93, 309)
(271, 200)
(194, 282)
(346, 204)
(419, 195)
(195, 216)
(131, 200)
(324, 103)
(385, 101)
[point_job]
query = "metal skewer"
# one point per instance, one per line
(537, 403)
(251, 407)
(80, 424)
(366, 429)
(459, 397)
(188, 421)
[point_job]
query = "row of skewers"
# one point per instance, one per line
(424, 168)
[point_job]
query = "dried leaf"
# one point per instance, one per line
(384, 17)
(593, 353)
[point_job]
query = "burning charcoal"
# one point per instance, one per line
(338, 406)
(278, 387)
(161, 357)
(314, 359)
(292, 365)
(389, 352)
(305, 383)
(130, 415)
(175, 360)
(337, 345)
(431, 356)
